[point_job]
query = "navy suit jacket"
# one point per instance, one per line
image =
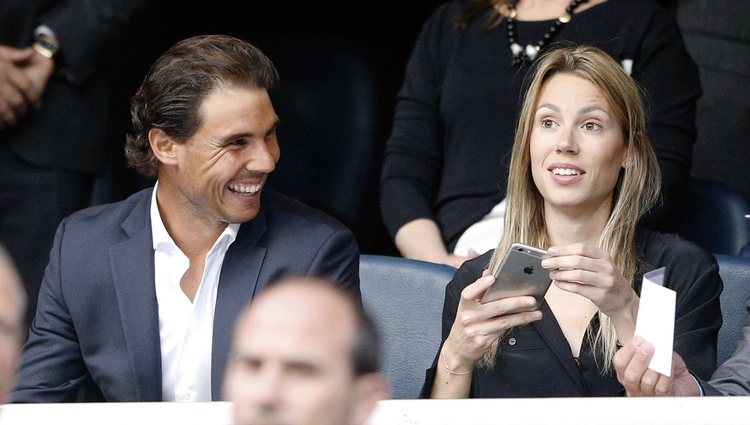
(97, 326)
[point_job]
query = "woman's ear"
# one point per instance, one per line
(163, 146)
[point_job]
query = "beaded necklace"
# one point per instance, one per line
(526, 55)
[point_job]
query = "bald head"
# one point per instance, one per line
(304, 305)
(293, 358)
(12, 302)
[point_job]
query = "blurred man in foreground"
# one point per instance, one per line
(304, 353)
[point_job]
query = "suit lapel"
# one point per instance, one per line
(237, 286)
(550, 331)
(133, 271)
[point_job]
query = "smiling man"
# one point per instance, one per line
(139, 297)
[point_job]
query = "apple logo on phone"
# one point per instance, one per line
(528, 270)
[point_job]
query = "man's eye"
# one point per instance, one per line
(248, 364)
(238, 142)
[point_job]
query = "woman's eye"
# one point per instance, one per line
(591, 126)
(547, 123)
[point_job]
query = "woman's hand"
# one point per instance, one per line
(631, 364)
(474, 330)
(589, 271)
(478, 325)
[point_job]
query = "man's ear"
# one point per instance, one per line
(370, 388)
(163, 146)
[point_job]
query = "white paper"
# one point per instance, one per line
(655, 321)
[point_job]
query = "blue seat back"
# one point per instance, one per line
(735, 272)
(405, 299)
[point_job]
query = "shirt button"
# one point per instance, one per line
(511, 341)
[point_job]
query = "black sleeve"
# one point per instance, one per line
(89, 32)
(698, 314)
(669, 76)
(468, 272)
(413, 155)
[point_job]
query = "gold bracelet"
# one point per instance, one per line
(450, 372)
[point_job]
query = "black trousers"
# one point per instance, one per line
(33, 200)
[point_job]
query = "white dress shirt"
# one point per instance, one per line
(185, 327)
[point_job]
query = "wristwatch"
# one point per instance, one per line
(45, 41)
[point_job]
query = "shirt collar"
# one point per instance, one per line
(161, 236)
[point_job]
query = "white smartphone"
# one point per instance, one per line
(521, 273)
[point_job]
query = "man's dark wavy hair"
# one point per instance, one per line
(176, 84)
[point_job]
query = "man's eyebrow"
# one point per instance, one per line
(274, 126)
(244, 134)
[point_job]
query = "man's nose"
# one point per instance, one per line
(267, 389)
(261, 157)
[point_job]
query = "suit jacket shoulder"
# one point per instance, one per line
(306, 242)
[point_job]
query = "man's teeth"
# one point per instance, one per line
(565, 172)
(245, 188)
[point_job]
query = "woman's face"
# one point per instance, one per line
(577, 147)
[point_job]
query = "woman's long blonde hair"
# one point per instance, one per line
(636, 190)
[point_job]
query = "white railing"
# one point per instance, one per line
(557, 411)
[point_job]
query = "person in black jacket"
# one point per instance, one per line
(582, 174)
(56, 83)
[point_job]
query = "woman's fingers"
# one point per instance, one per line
(476, 289)
(498, 325)
(631, 366)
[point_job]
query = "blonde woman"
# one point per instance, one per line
(582, 173)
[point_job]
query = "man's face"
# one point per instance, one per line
(10, 329)
(292, 362)
(221, 169)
